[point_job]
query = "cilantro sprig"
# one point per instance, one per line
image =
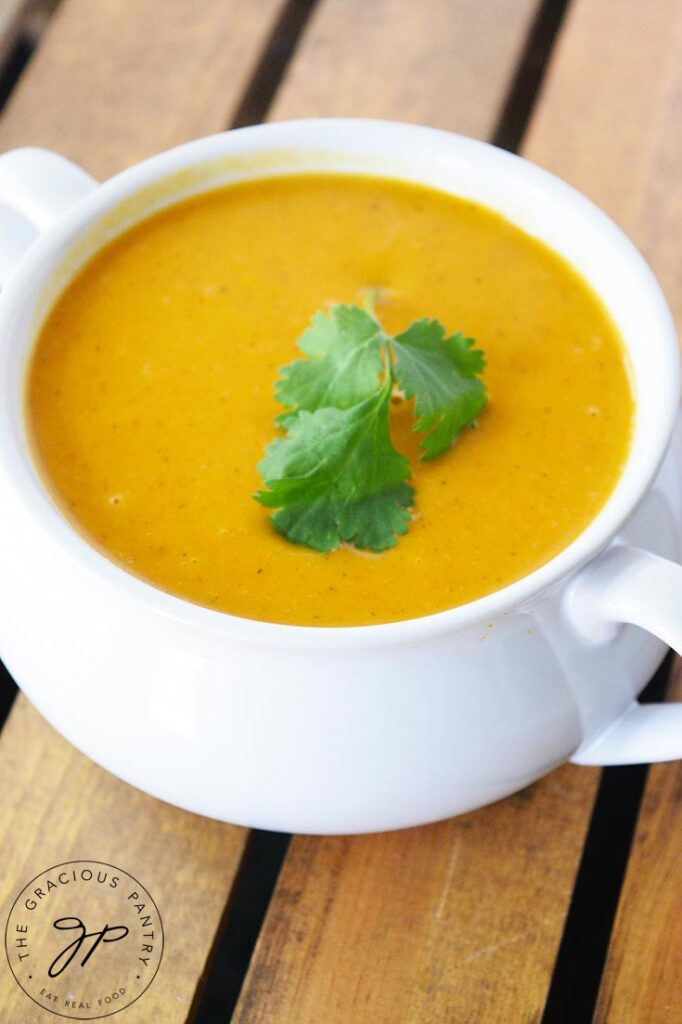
(335, 476)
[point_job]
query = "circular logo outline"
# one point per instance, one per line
(64, 864)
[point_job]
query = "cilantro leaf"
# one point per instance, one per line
(344, 364)
(337, 477)
(441, 375)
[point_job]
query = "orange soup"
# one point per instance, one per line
(150, 395)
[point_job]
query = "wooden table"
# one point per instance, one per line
(561, 904)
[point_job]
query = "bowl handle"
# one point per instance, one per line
(36, 186)
(629, 585)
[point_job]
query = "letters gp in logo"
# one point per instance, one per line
(84, 939)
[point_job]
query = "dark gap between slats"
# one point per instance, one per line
(272, 64)
(11, 70)
(8, 691)
(9, 75)
(247, 905)
(574, 988)
(530, 72)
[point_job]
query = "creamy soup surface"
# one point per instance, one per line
(150, 395)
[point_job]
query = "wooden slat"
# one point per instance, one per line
(111, 83)
(641, 983)
(609, 122)
(57, 806)
(460, 921)
(433, 62)
(114, 82)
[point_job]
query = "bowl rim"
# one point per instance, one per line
(329, 134)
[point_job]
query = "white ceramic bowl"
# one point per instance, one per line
(345, 729)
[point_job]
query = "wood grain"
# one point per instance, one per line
(641, 983)
(433, 62)
(113, 81)
(57, 806)
(609, 122)
(456, 922)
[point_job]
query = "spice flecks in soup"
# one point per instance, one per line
(150, 395)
